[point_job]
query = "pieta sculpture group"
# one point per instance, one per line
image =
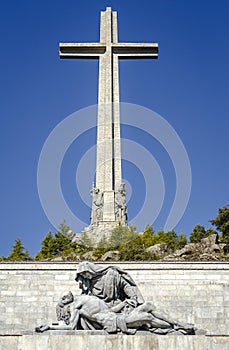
(111, 301)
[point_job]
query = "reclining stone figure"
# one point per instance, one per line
(91, 313)
(111, 301)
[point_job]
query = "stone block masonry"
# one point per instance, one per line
(100, 341)
(192, 292)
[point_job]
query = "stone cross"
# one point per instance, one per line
(108, 157)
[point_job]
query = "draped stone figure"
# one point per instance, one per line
(111, 284)
(120, 204)
(111, 301)
(97, 205)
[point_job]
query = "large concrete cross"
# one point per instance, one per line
(108, 51)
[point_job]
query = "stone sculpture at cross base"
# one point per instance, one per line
(111, 301)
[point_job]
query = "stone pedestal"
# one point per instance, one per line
(194, 292)
(98, 231)
(89, 340)
(109, 206)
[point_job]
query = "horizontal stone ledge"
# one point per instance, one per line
(112, 342)
(127, 265)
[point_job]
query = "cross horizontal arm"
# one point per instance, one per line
(81, 50)
(136, 50)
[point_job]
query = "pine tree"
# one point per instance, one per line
(48, 248)
(198, 233)
(221, 222)
(148, 238)
(122, 234)
(63, 240)
(58, 245)
(181, 241)
(18, 252)
(65, 230)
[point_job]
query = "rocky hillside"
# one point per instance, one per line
(208, 249)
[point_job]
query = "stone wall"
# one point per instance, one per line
(192, 292)
(112, 342)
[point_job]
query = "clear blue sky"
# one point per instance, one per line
(188, 86)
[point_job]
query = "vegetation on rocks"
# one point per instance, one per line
(126, 244)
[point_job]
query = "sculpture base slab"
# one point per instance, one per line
(96, 340)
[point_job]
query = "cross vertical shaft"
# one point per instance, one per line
(108, 196)
(108, 163)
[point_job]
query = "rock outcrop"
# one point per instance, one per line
(111, 255)
(207, 249)
(158, 249)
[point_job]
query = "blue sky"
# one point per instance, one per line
(188, 86)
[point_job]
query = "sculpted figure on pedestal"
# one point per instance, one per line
(120, 204)
(111, 301)
(97, 205)
(86, 312)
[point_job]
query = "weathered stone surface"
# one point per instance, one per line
(58, 258)
(189, 248)
(112, 342)
(89, 256)
(108, 292)
(71, 257)
(158, 249)
(208, 249)
(210, 244)
(194, 292)
(112, 255)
